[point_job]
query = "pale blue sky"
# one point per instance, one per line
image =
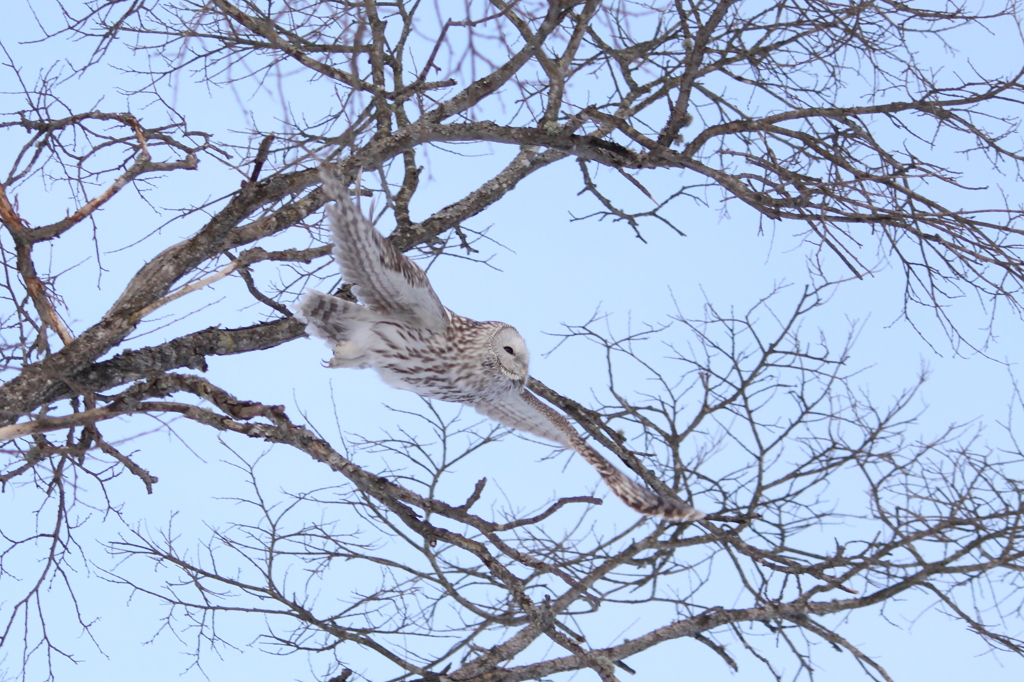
(551, 271)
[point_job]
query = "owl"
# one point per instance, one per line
(401, 330)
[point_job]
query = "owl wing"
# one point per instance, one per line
(532, 416)
(383, 278)
(526, 412)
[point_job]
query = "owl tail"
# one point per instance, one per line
(342, 324)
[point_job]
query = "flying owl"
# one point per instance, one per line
(404, 332)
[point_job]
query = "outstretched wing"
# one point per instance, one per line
(384, 279)
(532, 416)
(526, 412)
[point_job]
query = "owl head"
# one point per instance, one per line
(510, 350)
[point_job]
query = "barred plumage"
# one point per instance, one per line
(404, 332)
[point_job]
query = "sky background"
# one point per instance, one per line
(547, 272)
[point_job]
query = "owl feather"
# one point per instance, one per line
(402, 330)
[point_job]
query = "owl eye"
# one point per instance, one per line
(508, 349)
